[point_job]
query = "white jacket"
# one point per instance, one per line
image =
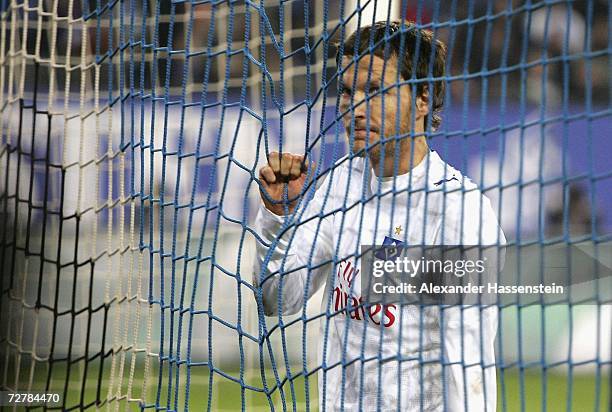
(424, 358)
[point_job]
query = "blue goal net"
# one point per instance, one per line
(140, 268)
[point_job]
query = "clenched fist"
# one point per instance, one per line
(284, 173)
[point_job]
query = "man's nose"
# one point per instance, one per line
(358, 106)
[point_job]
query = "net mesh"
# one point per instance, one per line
(132, 135)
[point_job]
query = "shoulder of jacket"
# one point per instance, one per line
(443, 177)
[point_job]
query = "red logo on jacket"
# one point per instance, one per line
(346, 300)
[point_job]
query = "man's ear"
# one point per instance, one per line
(422, 103)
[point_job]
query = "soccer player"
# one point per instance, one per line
(391, 187)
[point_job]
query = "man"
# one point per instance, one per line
(390, 188)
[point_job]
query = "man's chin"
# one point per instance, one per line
(373, 153)
(358, 149)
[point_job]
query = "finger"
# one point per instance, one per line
(267, 174)
(304, 166)
(296, 167)
(285, 166)
(274, 161)
(309, 170)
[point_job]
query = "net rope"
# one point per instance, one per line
(132, 136)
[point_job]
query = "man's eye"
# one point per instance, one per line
(345, 91)
(374, 90)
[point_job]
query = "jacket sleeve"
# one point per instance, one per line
(291, 269)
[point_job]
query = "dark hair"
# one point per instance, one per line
(428, 48)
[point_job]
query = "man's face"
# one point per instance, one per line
(376, 100)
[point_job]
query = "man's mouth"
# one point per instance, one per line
(362, 133)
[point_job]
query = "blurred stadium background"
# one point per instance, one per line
(127, 192)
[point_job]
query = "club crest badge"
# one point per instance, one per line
(390, 248)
